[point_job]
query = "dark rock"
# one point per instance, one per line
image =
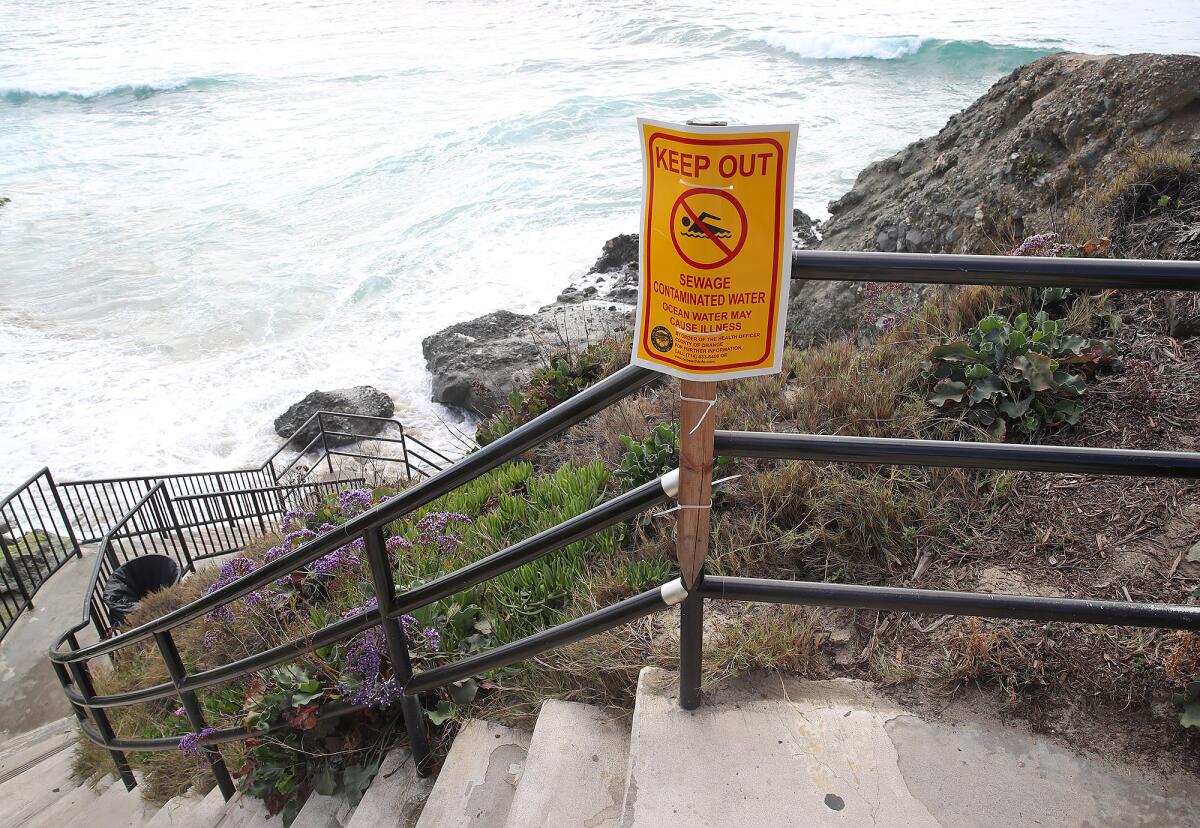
(1183, 315)
(804, 229)
(361, 399)
(620, 252)
(1031, 144)
(476, 364)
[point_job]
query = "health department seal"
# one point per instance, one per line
(661, 339)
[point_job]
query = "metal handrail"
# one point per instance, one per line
(569, 531)
(71, 665)
(558, 419)
(22, 506)
(955, 454)
(1013, 271)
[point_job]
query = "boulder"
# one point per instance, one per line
(475, 364)
(805, 230)
(361, 399)
(1003, 168)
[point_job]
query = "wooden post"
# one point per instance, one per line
(696, 426)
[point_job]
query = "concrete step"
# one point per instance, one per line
(116, 808)
(324, 812)
(36, 788)
(478, 779)
(245, 812)
(575, 772)
(770, 751)
(396, 795)
(190, 810)
(18, 752)
(70, 805)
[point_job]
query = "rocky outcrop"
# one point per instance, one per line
(361, 399)
(475, 364)
(1005, 167)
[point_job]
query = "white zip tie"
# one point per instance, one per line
(711, 404)
(679, 506)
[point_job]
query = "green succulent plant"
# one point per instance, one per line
(1017, 374)
(650, 458)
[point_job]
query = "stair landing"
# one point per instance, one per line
(772, 751)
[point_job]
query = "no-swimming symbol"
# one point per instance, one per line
(715, 220)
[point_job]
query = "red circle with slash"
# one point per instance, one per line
(726, 253)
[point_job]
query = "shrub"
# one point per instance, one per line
(1015, 374)
(563, 376)
(308, 753)
(651, 458)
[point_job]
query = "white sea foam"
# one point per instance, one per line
(819, 46)
(214, 214)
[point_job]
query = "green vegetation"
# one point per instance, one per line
(1015, 374)
(564, 375)
(1003, 363)
(651, 458)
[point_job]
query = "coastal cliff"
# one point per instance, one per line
(1013, 163)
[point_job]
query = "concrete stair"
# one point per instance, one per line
(763, 750)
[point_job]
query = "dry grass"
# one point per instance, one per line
(765, 638)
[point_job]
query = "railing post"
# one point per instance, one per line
(83, 681)
(63, 514)
(393, 630)
(324, 443)
(225, 501)
(191, 706)
(404, 451)
(697, 422)
(187, 555)
(691, 648)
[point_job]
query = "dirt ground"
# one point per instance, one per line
(1113, 538)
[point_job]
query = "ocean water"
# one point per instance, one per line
(218, 207)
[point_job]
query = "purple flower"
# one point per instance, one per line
(179, 711)
(190, 745)
(364, 660)
(212, 638)
(397, 542)
(295, 519)
(326, 527)
(294, 539)
(371, 604)
(339, 560)
(427, 638)
(1043, 244)
(353, 501)
(436, 521)
(231, 570)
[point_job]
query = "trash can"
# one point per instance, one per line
(133, 581)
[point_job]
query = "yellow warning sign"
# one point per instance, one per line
(716, 244)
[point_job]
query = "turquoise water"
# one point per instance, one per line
(219, 207)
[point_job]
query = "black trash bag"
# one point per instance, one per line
(133, 581)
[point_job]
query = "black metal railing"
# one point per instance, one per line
(71, 660)
(194, 528)
(219, 524)
(330, 443)
(148, 528)
(35, 541)
(94, 506)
